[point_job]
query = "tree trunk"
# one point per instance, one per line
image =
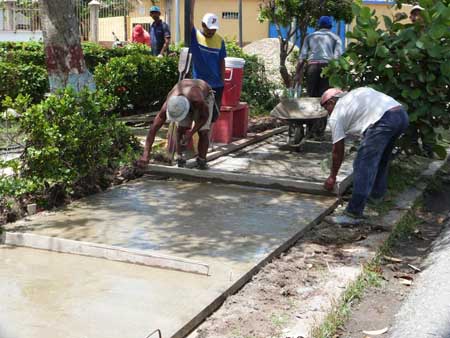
(63, 53)
(284, 45)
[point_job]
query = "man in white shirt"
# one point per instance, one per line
(379, 120)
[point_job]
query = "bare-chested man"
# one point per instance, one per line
(190, 104)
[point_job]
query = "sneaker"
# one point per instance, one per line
(181, 163)
(201, 164)
(343, 220)
(352, 215)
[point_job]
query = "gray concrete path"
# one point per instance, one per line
(426, 312)
(233, 229)
(271, 158)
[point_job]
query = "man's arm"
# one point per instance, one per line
(165, 47)
(192, 15)
(338, 48)
(203, 108)
(337, 158)
(157, 124)
(222, 70)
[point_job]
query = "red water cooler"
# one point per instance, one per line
(233, 119)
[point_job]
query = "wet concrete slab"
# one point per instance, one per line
(272, 164)
(47, 294)
(273, 158)
(233, 229)
(200, 221)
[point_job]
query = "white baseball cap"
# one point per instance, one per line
(211, 21)
(177, 108)
(416, 7)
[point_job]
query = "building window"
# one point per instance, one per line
(230, 15)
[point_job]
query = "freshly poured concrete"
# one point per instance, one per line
(271, 158)
(53, 295)
(232, 229)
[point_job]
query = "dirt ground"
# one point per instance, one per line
(379, 305)
(288, 296)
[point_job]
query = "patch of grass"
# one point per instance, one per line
(370, 277)
(341, 310)
(407, 225)
(404, 171)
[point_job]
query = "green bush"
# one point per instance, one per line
(257, 90)
(72, 141)
(410, 62)
(139, 81)
(22, 53)
(24, 79)
(94, 54)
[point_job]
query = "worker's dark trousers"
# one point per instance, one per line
(316, 86)
(370, 168)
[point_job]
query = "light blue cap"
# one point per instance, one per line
(155, 9)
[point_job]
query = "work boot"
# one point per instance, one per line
(181, 163)
(201, 164)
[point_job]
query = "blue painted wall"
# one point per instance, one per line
(273, 31)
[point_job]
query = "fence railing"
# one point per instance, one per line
(20, 16)
(112, 16)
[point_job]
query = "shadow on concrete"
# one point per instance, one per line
(191, 220)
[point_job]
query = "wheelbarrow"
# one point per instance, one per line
(298, 113)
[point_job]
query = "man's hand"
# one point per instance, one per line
(330, 183)
(143, 161)
(187, 137)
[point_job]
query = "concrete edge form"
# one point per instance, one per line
(211, 308)
(260, 181)
(239, 144)
(108, 252)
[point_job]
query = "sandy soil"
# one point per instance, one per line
(379, 305)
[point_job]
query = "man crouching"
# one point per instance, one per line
(190, 104)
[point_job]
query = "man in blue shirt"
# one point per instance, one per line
(159, 33)
(208, 55)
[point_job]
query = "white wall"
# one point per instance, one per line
(20, 36)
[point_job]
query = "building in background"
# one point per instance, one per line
(120, 16)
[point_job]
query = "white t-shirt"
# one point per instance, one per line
(357, 111)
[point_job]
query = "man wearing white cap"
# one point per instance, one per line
(208, 55)
(379, 120)
(190, 104)
(415, 14)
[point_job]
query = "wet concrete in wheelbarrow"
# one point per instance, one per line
(233, 229)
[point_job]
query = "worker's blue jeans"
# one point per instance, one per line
(370, 168)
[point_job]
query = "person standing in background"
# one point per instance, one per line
(208, 55)
(140, 35)
(159, 33)
(318, 49)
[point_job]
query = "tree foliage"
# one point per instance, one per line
(296, 16)
(410, 62)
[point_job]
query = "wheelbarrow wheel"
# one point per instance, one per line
(296, 134)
